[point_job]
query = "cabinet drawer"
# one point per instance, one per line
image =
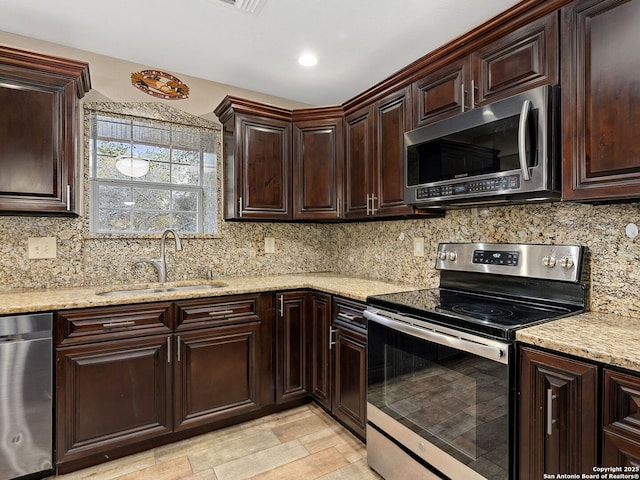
(350, 312)
(622, 404)
(211, 312)
(90, 325)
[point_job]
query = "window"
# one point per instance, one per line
(177, 185)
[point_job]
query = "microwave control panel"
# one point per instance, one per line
(510, 182)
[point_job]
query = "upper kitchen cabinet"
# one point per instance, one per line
(318, 158)
(374, 157)
(601, 100)
(257, 160)
(39, 119)
(513, 63)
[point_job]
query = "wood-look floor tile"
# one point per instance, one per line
(230, 446)
(354, 471)
(260, 462)
(323, 439)
(309, 467)
(171, 470)
(290, 430)
(203, 475)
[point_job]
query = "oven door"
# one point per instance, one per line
(445, 396)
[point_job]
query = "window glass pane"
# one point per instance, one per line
(180, 189)
(185, 201)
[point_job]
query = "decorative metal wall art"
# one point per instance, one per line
(160, 84)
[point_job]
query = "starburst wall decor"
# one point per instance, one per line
(160, 84)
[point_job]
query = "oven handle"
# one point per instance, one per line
(490, 352)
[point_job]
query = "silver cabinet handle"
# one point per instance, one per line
(373, 204)
(550, 420)
(346, 316)
(168, 349)
(178, 345)
(522, 139)
(473, 94)
(332, 331)
(240, 207)
(282, 305)
(68, 197)
(118, 324)
(368, 204)
(215, 313)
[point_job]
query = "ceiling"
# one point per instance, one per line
(358, 42)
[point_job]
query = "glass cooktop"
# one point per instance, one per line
(476, 312)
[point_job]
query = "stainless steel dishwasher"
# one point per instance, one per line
(26, 383)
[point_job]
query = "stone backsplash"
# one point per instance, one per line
(379, 249)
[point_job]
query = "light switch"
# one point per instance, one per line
(41, 247)
(418, 247)
(269, 245)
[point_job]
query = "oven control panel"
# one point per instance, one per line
(550, 262)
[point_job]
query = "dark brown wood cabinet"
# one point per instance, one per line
(222, 359)
(374, 157)
(292, 346)
(349, 403)
(129, 376)
(257, 160)
(321, 358)
(317, 163)
(514, 62)
(39, 124)
(558, 425)
(621, 419)
(600, 98)
(113, 380)
(338, 359)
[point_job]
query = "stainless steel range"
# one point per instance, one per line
(441, 362)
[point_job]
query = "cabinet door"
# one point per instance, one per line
(292, 332)
(392, 118)
(217, 374)
(350, 378)
(321, 364)
(600, 91)
(38, 131)
(358, 189)
(111, 394)
(264, 168)
(558, 424)
(519, 61)
(621, 419)
(317, 168)
(441, 93)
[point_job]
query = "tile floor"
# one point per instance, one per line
(303, 443)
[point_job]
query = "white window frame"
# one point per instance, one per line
(210, 227)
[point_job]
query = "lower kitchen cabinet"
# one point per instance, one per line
(114, 392)
(339, 376)
(128, 377)
(621, 419)
(292, 358)
(350, 374)
(558, 422)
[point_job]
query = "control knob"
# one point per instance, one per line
(549, 261)
(566, 263)
(452, 256)
(442, 255)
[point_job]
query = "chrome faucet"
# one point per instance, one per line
(160, 264)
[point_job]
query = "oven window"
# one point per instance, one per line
(457, 401)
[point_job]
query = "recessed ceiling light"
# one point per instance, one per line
(308, 59)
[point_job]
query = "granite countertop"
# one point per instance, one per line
(27, 301)
(601, 337)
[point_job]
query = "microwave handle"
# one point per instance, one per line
(522, 139)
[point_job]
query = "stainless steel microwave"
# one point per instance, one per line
(504, 152)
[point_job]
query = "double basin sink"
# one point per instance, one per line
(163, 288)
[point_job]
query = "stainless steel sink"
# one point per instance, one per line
(163, 289)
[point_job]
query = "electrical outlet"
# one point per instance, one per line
(269, 245)
(418, 247)
(41, 247)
